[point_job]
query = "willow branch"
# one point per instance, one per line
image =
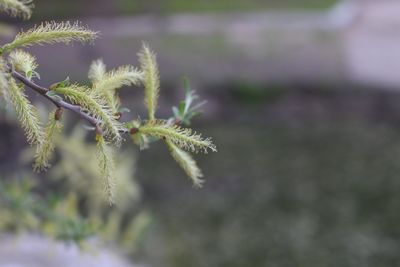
(59, 103)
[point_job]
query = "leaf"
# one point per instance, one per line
(187, 110)
(66, 82)
(141, 140)
(54, 96)
(151, 79)
(176, 112)
(88, 127)
(182, 107)
(138, 138)
(124, 110)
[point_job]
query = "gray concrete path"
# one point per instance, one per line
(266, 46)
(37, 251)
(356, 41)
(373, 44)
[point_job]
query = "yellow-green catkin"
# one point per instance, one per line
(45, 150)
(151, 79)
(26, 112)
(106, 163)
(50, 33)
(184, 138)
(186, 162)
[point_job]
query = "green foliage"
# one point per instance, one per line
(24, 209)
(187, 110)
(76, 205)
(138, 137)
(98, 104)
(79, 168)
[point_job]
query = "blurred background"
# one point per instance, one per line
(303, 104)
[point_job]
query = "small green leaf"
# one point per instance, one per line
(29, 74)
(176, 112)
(88, 127)
(124, 110)
(182, 107)
(141, 140)
(54, 96)
(64, 83)
(51, 93)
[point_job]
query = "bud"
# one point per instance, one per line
(58, 114)
(134, 131)
(99, 131)
(118, 115)
(177, 121)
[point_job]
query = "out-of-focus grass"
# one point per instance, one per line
(323, 194)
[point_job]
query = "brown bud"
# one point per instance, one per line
(118, 115)
(58, 114)
(99, 131)
(177, 121)
(134, 131)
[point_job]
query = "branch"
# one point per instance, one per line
(59, 103)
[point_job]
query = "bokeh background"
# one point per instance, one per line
(303, 104)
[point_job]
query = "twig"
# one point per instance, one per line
(59, 103)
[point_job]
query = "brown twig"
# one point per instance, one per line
(58, 102)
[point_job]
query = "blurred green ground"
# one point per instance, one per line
(303, 177)
(313, 182)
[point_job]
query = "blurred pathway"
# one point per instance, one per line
(37, 251)
(357, 41)
(373, 44)
(216, 48)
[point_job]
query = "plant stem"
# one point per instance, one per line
(59, 103)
